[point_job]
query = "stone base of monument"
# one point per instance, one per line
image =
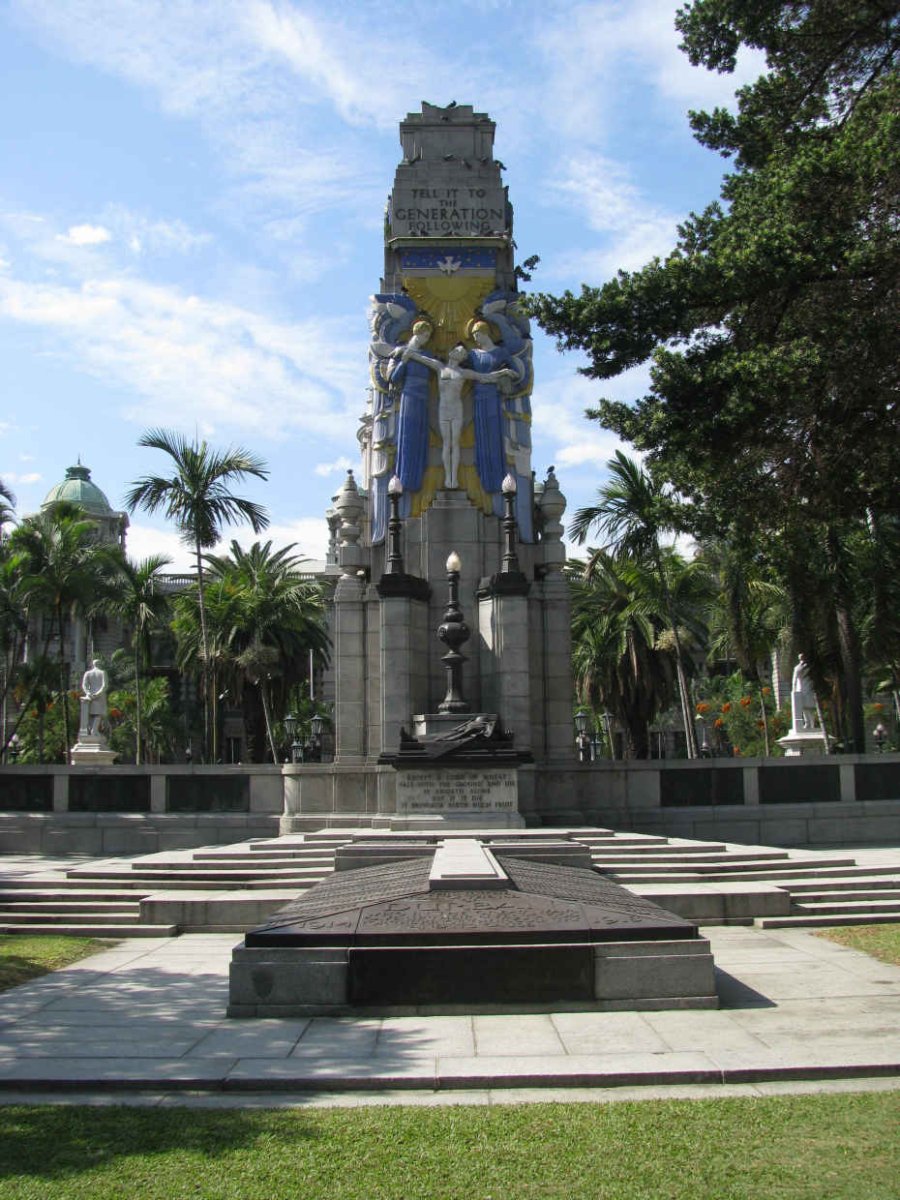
(465, 930)
(459, 796)
(804, 742)
(91, 749)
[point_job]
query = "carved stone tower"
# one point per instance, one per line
(446, 469)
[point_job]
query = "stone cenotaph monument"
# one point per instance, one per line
(450, 615)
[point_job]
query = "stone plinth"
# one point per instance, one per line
(92, 749)
(804, 742)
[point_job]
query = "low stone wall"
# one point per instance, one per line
(840, 800)
(59, 810)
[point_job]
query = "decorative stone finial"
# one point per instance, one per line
(348, 505)
(552, 505)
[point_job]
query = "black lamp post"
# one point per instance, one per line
(510, 558)
(582, 741)
(453, 632)
(290, 725)
(395, 525)
(316, 726)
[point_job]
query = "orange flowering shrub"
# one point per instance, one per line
(703, 708)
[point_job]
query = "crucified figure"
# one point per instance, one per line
(451, 377)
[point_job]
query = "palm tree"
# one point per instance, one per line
(750, 611)
(7, 506)
(197, 498)
(634, 513)
(267, 615)
(61, 564)
(615, 621)
(135, 594)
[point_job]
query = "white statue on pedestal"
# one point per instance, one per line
(803, 699)
(93, 700)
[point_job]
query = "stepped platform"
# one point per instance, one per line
(233, 888)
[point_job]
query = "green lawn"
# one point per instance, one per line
(786, 1148)
(25, 956)
(881, 941)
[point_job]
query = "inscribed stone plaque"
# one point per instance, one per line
(453, 792)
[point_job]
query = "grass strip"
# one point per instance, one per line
(816, 1147)
(881, 941)
(25, 956)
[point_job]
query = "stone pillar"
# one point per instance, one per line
(349, 633)
(556, 628)
(404, 672)
(503, 628)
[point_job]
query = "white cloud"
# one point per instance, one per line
(145, 540)
(146, 235)
(198, 361)
(341, 464)
(308, 535)
(265, 79)
(561, 429)
(608, 53)
(20, 478)
(635, 228)
(85, 235)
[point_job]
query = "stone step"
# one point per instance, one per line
(155, 875)
(9, 895)
(838, 908)
(25, 917)
(246, 864)
(98, 930)
(144, 885)
(622, 839)
(686, 857)
(747, 870)
(311, 855)
(846, 895)
(809, 921)
(68, 904)
(838, 884)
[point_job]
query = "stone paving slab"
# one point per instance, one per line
(148, 1017)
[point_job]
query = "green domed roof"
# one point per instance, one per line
(78, 488)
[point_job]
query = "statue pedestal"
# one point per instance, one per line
(91, 749)
(804, 743)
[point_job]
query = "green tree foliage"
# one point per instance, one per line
(623, 650)
(264, 616)
(196, 496)
(136, 595)
(634, 513)
(158, 732)
(60, 566)
(770, 329)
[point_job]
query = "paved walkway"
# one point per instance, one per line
(144, 1022)
(148, 1016)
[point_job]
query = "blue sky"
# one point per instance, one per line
(191, 201)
